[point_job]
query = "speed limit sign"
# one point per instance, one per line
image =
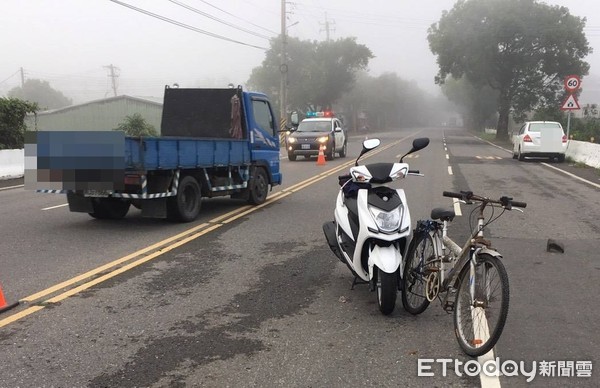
(572, 83)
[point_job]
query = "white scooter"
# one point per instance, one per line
(372, 226)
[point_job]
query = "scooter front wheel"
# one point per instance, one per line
(387, 291)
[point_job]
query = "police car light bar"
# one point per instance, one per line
(327, 113)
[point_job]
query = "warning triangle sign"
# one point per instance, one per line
(570, 103)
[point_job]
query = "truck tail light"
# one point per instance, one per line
(527, 139)
(564, 138)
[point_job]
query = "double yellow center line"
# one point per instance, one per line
(89, 279)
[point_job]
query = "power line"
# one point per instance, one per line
(15, 73)
(218, 20)
(239, 18)
(165, 19)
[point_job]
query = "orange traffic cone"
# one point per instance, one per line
(321, 158)
(3, 305)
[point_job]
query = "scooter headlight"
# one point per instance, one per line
(387, 222)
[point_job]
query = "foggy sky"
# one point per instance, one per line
(69, 42)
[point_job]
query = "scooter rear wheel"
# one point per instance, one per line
(387, 291)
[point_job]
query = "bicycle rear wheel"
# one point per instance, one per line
(414, 279)
(479, 321)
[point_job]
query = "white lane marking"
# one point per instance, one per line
(447, 156)
(10, 187)
(486, 380)
(482, 331)
(450, 170)
(54, 207)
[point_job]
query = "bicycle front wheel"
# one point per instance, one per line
(414, 279)
(480, 311)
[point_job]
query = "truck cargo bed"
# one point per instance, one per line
(172, 153)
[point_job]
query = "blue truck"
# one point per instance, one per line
(214, 142)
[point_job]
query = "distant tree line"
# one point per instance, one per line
(332, 75)
(41, 93)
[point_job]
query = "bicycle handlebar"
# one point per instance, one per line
(452, 195)
(506, 202)
(518, 204)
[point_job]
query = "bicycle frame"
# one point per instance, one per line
(452, 262)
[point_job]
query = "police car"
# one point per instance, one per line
(316, 130)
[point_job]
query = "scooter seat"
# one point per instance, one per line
(442, 214)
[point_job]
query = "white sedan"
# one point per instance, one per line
(540, 139)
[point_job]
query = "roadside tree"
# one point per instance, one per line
(520, 48)
(12, 126)
(319, 73)
(136, 125)
(476, 103)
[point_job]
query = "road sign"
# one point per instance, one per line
(570, 103)
(572, 83)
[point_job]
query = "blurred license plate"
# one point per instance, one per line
(97, 193)
(305, 146)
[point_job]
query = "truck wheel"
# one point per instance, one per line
(109, 208)
(259, 187)
(292, 157)
(185, 206)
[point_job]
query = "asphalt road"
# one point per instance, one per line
(259, 300)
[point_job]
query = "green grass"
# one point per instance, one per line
(575, 164)
(486, 136)
(572, 162)
(491, 137)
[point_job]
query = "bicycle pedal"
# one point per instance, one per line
(448, 306)
(449, 299)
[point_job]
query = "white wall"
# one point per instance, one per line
(584, 152)
(12, 164)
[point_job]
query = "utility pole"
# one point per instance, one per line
(113, 75)
(22, 78)
(283, 68)
(327, 27)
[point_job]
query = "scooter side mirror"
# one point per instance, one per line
(418, 144)
(368, 145)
